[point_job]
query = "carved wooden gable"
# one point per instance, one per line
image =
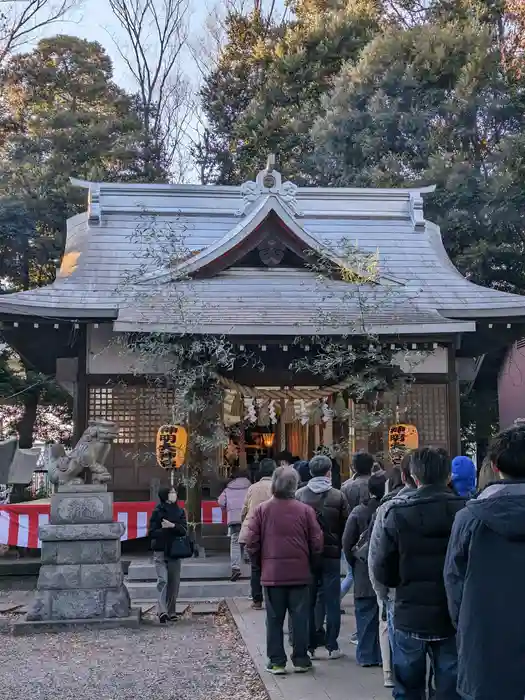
(270, 236)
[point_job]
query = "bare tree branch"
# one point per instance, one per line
(157, 33)
(206, 47)
(21, 19)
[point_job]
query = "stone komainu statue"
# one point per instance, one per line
(90, 453)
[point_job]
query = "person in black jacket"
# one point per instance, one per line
(485, 579)
(302, 467)
(167, 522)
(368, 651)
(410, 557)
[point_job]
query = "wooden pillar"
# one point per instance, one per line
(484, 400)
(80, 398)
(454, 418)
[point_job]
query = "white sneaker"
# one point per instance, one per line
(335, 654)
(389, 680)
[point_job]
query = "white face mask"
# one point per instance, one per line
(172, 497)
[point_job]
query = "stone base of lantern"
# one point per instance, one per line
(81, 579)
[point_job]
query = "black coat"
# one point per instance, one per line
(161, 538)
(359, 522)
(411, 555)
(334, 508)
(485, 581)
(336, 475)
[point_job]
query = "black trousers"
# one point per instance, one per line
(296, 601)
(255, 583)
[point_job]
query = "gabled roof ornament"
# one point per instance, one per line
(94, 204)
(416, 207)
(269, 181)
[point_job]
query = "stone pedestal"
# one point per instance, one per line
(81, 577)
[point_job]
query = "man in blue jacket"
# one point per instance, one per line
(485, 579)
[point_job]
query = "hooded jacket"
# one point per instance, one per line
(376, 526)
(332, 506)
(464, 476)
(232, 499)
(484, 580)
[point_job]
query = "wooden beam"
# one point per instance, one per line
(454, 418)
(80, 399)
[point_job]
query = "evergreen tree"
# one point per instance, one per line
(266, 90)
(431, 104)
(61, 115)
(229, 89)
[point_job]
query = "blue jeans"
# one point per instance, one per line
(326, 601)
(368, 652)
(347, 582)
(398, 690)
(390, 622)
(410, 667)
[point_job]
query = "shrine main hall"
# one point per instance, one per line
(277, 272)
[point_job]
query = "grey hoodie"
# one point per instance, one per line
(382, 592)
(319, 484)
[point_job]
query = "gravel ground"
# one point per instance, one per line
(197, 658)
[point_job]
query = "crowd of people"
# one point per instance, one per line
(436, 562)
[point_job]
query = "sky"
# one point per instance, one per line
(94, 21)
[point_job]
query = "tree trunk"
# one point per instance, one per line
(26, 425)
(201, 429)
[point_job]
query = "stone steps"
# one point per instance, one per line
(215, 543)
(141, 591)
(201, 579)
(192, 570)
(214, 530)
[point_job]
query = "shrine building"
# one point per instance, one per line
(264, 265)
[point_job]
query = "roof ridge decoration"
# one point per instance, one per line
(269, 181)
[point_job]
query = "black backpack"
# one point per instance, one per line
(329, 537)
(360, 551)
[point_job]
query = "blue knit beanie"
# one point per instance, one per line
(464, 476)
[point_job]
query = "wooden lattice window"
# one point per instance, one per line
(138, 411)
(109, 403)
(153, 410)
(426, 407)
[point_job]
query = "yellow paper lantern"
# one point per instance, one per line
(403, 436)
(171, 446)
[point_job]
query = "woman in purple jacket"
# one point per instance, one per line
(232, 501)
